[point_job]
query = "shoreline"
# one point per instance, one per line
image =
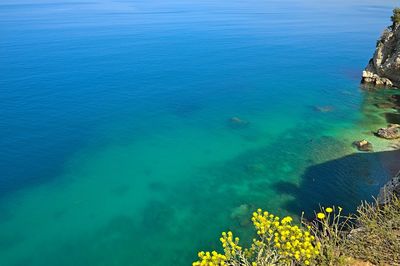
(379, 107)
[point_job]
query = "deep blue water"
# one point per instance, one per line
(115, 140)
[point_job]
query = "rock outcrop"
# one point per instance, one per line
(390, 132)
(363, 145)
(390, 189)
(384, 68)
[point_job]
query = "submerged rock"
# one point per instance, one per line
(363, 145)
(395, 99)
(240, 211)
(241, 214)
(256, 168)
(387, 105)
(390, 132)
(384, 68)
(323, 109)
(237, 122)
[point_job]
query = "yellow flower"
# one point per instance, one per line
(290, 241)
(329, 210)
(287, 219)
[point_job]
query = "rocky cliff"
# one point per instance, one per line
(384, 68)
(389, 190)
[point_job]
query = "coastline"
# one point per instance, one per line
(203, 114)
(383, 73)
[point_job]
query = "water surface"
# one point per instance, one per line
(116, 144)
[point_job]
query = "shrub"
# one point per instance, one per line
(330, 231)
(377, 238)
(396, 16)
(279, 242)
(330, 239)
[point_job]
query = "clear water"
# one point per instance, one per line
(116, 146)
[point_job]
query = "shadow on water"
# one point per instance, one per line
(392, 118)
(342, 182)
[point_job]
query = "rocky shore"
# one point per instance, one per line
(384, 67)
(389, 190)
(383, 70)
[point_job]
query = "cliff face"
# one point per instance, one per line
(389, 190)
(384, 68)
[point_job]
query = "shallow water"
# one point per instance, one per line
(116, 144)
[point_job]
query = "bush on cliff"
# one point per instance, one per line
(396, 16)
(372, 235)
(377, 238)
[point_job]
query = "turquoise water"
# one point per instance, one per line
(116, 140)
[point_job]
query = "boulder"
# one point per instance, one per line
(368, 76)
(363, 145)
(390, 132)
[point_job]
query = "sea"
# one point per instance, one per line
(135, 132)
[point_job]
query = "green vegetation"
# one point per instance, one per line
(377, 238)
(371, 235)
(396, 16)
